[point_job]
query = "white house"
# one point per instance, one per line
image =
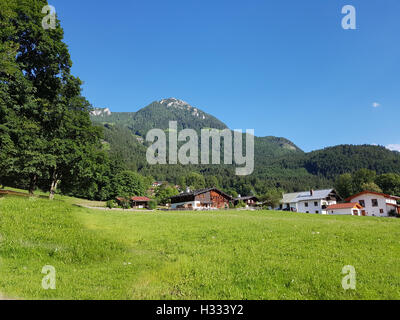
(313, 201)
(376, 204)
(351, 209)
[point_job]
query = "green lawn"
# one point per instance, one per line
(193, 255)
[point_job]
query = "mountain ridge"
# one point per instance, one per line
(279, 162)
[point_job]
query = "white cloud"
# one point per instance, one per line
(393, 147)
(376, 104)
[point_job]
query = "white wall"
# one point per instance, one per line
(312, 208)
(375, 211)
(193, 203)
(346, 211)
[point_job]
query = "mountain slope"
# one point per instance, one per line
(158, 115)
(332, 161)
(278, 161)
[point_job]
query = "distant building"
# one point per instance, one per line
(204, 199)
(136, 202)
(250, 201)
(158, 183)
(375, 203)
(352, 209)
(313, 201)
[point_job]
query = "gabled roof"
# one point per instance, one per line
(140, 199)
(350, 205)
(387, 196)
(201, 191)
(317, 194)
(246, 198)
(306, 195)
(290, 197)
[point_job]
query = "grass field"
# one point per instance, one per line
(99, 254)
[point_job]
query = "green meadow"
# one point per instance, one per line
(101, 254)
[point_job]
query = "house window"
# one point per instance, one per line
(317, 211)
(306, 204)
(381, 211)
(362, 203)
(374, 202)
(315, 204)
(307, 211)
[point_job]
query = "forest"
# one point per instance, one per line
(50, 141)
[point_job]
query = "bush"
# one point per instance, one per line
(110, 204)
(241, 204)
(125, 203)
(152, 205)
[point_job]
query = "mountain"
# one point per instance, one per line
(158, 115)
(278, 161)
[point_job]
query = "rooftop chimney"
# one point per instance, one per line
(311, 192)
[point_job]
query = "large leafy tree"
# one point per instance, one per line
(45, 132)
(389, 183)
(128, 184)
(344, 185)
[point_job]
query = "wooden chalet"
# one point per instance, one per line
(204, 199)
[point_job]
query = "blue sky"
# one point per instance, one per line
(284, 68)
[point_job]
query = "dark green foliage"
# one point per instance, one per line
(240, 204)
(366, 180)
(389, 183)
(164, 193)
(272, 198)
(110, 204)
(158, 115)
(125, 203)
(344, 185)
(46, 135)
(129, 183)
(152, 205)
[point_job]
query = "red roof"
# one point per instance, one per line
(375, 193)
(344, 206)
(140, 199)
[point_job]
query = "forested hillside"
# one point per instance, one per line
(279, 163)
(48, 140)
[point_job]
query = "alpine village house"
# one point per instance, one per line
(204, 199)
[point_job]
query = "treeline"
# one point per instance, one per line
(333, 161)
(349, 184)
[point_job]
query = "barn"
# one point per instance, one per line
(204, 199)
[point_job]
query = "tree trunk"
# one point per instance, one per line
(32, 184)
(53, 187)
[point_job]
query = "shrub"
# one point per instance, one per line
(241, 204)
(152, 205)
(125, 203)
(110, 204)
